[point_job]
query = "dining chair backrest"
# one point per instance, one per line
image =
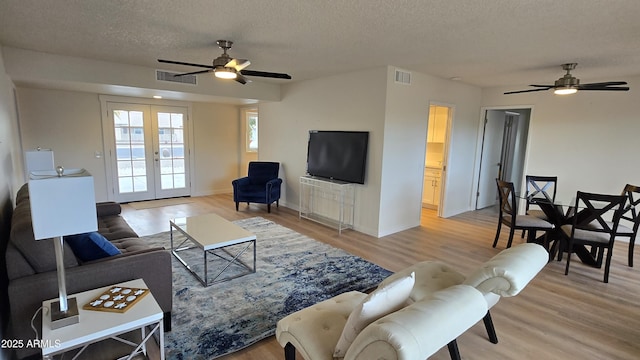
(595, 224)
(507, 198)
(596, 210)
(540, 188)
(631, 212)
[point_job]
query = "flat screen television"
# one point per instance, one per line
(338, 155)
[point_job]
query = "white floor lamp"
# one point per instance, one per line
(62, 203)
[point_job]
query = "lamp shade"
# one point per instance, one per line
(40, 159)
(62, 205)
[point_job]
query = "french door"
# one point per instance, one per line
(148, 151)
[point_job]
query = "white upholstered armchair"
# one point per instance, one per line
(413, 313)
(325, 330)
(504, 275)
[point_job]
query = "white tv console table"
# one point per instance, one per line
(329, 202)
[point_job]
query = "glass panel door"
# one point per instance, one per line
(170, 155)
(150, 152)
(132, 152)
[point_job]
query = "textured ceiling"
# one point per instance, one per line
(484, 43)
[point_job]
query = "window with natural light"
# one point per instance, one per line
(252, 131)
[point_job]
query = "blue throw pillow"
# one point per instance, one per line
(91, 246)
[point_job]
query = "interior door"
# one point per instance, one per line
(490, 160)
(149, 152)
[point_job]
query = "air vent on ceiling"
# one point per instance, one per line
(171, 76)
(403, 77)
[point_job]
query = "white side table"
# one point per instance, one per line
(95, 326)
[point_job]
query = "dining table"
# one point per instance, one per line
(561, 212)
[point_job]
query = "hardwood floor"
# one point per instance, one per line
(555, 317)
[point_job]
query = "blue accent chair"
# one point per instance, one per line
(261, 185)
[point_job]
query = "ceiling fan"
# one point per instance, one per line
(568, 84)
(226, 67)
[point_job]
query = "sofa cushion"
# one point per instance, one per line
(383, 301)
(115, 227)
(17, 265)
(108, 208)
(91, 246)
(130, 245)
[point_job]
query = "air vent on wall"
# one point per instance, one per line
(171, 76)
(403, 77)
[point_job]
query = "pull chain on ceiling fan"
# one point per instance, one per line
(226, 67)
(568, 84)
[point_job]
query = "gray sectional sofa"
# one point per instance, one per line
(31, 267)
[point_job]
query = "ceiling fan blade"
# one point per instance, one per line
(604, 88)
(530, 90)
(568, 82)
(608, 83)
(184, 63)
(194, 72)
(238, 64)
(241, 79)
(265, 74)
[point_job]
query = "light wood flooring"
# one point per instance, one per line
(554, 317)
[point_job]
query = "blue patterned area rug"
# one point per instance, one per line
(293, 272)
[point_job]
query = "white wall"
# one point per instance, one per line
(10, 166)
(216, 130)
(405, 134)
(69, 122)
(73, 73)
(407, 112)
(396, 117)
(353, 101)
(10, 157)
(589, 140)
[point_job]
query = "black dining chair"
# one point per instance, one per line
(591, 226)
(509, 216)
(630, 216)
(539, 188)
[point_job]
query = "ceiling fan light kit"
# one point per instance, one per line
(223, 72)
(565, 91)
(568, 84)
(226, 67)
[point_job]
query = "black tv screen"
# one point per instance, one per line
(338, 155)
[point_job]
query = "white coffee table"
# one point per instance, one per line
(95, 326)
(211, 232)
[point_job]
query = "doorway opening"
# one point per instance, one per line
(435, 157)
(503, 148)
